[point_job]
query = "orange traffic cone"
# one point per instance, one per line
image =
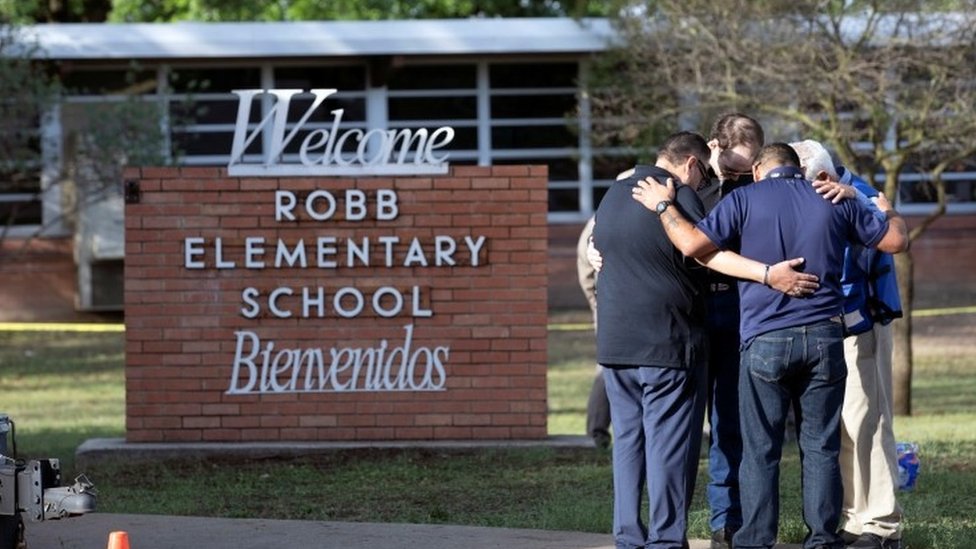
(118, 540)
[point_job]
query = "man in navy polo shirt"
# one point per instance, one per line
(792, 348)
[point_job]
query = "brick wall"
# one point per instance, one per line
(199, 368)
(39, 281)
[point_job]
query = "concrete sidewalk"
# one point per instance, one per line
(169, 532)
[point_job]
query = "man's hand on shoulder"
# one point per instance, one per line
(883, 204)
(650, 193)
(593, 255)
(834, 191)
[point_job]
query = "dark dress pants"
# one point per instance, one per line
(657, 416)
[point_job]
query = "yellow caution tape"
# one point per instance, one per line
(561, 327)
(945, 311)
(60, 327)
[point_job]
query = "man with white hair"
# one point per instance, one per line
(869, 465)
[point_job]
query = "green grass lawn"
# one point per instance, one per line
(62, 388)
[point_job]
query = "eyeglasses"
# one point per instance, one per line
(705, 179)
(733, 174)
(701, 169)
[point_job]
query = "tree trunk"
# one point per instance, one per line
(901, 365)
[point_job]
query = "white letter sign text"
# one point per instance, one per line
(329, 151)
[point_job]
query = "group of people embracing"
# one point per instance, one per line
(734, 276)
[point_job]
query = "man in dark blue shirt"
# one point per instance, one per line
(792, 348)
(651, 342)
(734, 141)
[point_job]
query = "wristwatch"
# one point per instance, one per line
(661, 206)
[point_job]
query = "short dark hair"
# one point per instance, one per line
(734, 128)
(778, 154)
(679, 146)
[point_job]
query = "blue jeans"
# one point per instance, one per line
(657, 415)
(725, 441)
(805, 366)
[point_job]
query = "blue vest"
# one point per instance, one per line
(868, 280)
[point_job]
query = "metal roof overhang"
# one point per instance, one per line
(93, 41)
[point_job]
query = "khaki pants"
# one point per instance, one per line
(869, 465)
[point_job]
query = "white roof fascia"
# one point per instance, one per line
(93, 41)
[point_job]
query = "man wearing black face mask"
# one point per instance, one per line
(734, 141)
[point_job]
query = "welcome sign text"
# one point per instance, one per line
(328, 150)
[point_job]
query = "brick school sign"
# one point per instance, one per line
(335, 308)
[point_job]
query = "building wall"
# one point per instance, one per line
(186, 327)
(944, 260)
(38, 280)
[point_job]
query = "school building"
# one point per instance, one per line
(510, 88)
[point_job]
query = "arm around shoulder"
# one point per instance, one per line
(785, 276)
(895, 239)
(689, 240)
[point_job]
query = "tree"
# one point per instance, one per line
(100, 141)
(889, 86)
(26, 91)
(305, 10)
(54, 11)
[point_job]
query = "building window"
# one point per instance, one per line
(108, 117)
(347, 105)
(535, 120)
(503, 112)
(202, 110)
(917, 193)
(20, 198)
(433, 95)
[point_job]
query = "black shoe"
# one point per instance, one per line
(867, 541)
(847, 537)
(722, 538)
